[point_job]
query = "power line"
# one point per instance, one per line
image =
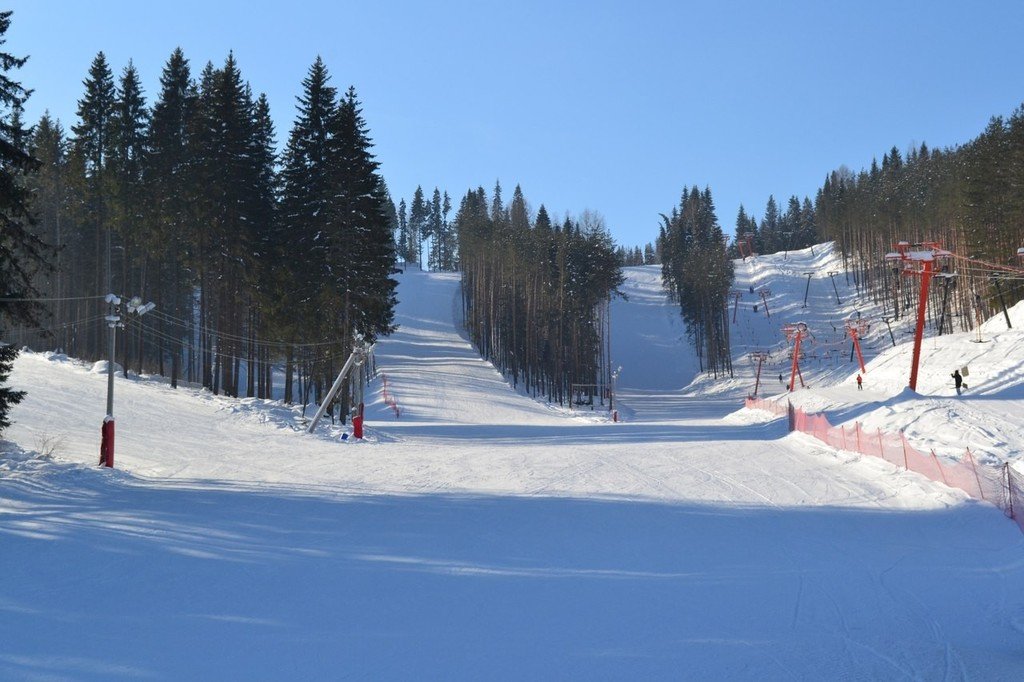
(36, 330)
(51, 300)
(234, 337)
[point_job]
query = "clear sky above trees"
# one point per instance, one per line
(608, 106)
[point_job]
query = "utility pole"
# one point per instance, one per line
(113, 319)
(611, 397)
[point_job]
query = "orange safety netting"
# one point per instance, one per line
(1002, 486)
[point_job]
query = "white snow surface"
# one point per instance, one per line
(487, 535)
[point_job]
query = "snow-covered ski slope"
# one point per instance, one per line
(484, 534)
(661, 372)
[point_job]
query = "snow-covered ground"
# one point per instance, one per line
(487, 535)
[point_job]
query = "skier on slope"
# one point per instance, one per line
(957, 380)
(860, 383)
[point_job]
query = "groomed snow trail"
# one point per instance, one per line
(481, 535)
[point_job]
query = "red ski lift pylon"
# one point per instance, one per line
(918, 260)
(736, 294)
(745, 245)
(795, 334)
(857, 328)
(760, 356)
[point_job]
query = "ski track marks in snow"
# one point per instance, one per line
(487, 534)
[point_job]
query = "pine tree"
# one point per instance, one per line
(93, 142)
(126, 159)
(171, 188)
(262, 294)
(360, 223)
(402, 238)
(419, 218)
(21, 252)
(434, 231)
(8, 396)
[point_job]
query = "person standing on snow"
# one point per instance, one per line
(860, 382)
(957, 380)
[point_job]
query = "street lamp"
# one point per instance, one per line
(113, 319)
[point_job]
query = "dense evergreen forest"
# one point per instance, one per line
(536, 295)
(697, 273)
(795, 228)
(22, 253)
(426, 230)
(251, 259)
(968, 199)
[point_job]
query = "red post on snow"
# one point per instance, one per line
(924, 253)
(760, 356)
(926, 278)
(796, 364)
(107, 443)
(357, 423)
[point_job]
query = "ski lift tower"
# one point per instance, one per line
(745, 245)
(795, 333)
(736, 294)
(760, 356)
(857, 328)
(918, 260)
(765, 292)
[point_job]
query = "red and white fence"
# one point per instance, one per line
(389, 399)
(1002, 486)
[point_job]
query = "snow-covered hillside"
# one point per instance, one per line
(486, 535)
(987, 418)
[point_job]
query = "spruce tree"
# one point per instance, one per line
(402, 237)
(449, 247)
(435, 231)
(171, 188)
(93, 142)
(8, 396)
(364, 263)
(21, 252)
(419, 218)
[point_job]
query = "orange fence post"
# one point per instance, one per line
(941, 472)
(974, 468)
(856, 427)
(1009, 490)
(881, 447)
(903, 439)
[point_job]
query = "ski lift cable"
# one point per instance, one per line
(172, 339)
(43, 299)
(234, 337)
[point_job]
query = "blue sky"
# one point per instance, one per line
(611, 106)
